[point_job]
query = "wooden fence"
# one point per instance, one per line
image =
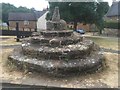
(17, 32)
(14, 33)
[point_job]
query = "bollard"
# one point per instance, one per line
(17, 32)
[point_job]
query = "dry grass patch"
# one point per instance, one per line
(110, 74)
(4, 59)
(8, 40)
(109, 43)
(9, 70)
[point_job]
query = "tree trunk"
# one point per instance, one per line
(75, 25)
(100, 31)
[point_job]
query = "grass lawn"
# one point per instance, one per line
(106, 42)
(8, 40)
(3, 28)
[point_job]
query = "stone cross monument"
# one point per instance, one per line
(56, 23)
(56, 15)
(58, 52)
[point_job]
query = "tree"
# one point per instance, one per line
(7, 8)
(102, 8)
(32, 9)
(83, 12)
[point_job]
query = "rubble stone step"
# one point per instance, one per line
(56, 42)
(66, 52)
(58, 67)
(60, 33)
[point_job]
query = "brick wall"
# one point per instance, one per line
(86, 27)
(31, 25)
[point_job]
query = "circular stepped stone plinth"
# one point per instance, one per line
(55, 41)
(55, 67)
(82, 57)
(57, 52)
(59, 33)
(79, 50)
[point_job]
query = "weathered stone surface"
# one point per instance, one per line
(35, 34)
(62, 33)
(56, 15)
(67, 52)
(58, 68)
(63, 24)
(35, 40)
(49, 25)
(55, 41)
(56, 23)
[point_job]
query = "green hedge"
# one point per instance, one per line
(113, 25)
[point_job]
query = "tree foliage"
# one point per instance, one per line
(102, 8)
(7, 8)
(84, 12)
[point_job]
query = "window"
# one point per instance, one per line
(26, 22)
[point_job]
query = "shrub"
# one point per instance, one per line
(113, 25)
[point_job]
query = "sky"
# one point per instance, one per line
(37, 4)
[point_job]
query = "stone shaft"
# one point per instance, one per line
(56, 15)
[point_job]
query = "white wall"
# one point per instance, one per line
(41, 23)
